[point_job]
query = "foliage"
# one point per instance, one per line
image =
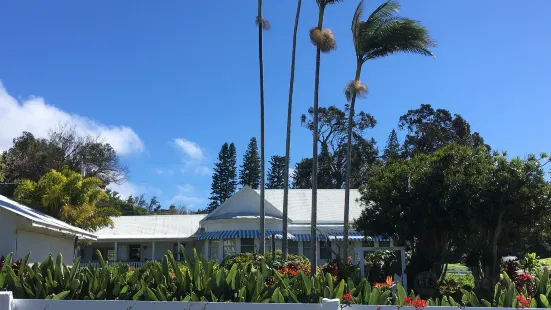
(302, 174)
(15, 264)
(31, 157)
(68, 196)
(249, 174)
(276, 173)
(428, 130)
(332, 127)
(224, 177)
(530, 262)
(2, 169)
(392, 149)
(130, 206)
(380, 264)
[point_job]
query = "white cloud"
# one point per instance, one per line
(186, 188)
(186, 195)
(189, 148)
(164, 171)
(37, 117)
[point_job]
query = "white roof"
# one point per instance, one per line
(39, 219)
(330, 204)
(151, 227)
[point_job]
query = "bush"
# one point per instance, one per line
(380, 264)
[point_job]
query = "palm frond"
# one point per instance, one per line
(385, 11)
(356, 25)
(400, 35)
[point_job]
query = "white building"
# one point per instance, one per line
(24, 230)
(234, 228)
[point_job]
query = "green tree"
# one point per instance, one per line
(325, 170)
(130, 206)
(429, 129)
(302, 175)
(288, 135)
(2, 169)
(332, 129)
(381, 35)
(324, 40)
(276, 173)
(224, 177)
(392, 149)
(249, 174)
(262, 25)
(68, 196)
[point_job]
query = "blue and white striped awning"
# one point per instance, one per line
(234, 234)
(355, 236)
(306, 237)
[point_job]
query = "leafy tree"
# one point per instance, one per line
(457, 198)
(130, 206)
(31, 158)
(250, 169)
(68, 196)
(224, 177)
(325, 172)
(430, 129)
(381, 35)
(2, 169)
(276, 173)
(154, 205)
(302, 175)
(332, 127)
(392, 149)
(288, 136)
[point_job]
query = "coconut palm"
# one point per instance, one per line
(262, 24)
(381, 35)
(324, 41)
(288, 138)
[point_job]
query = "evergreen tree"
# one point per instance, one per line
(276, 173)
(392, 148)
(302, 175)
(249, 174)
(224, 177)
(325, 173)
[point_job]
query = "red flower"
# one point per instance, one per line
(418, 304)
(523, 302)
(524, 277)
(407, 300)
(347, 299)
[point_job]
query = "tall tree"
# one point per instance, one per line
(382, 34)
(324, 40)
(288, 137)
(68, 196)
(429, 129)
(262, 25)
(302, 175)
(250, 169)
(392, 148)
(224, 177)
(2, 169)
(325, 170)
(332, 129)
(276, 173)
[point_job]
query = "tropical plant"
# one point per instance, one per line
(324, 40)
(382, 34)
(288, 136)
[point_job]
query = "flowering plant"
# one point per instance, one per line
(522, 302)
(347, 299)
(418, 303)
(387, 283)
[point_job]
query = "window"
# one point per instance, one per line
(325, 250)
(134, 250)
(110, 254)
(247, 245)
(384, 243)
(229, 247)
(122, 252)
(107, 254)
(269, 245)
(292, 247)
(213, 249)
(307, 249)
(368, 244)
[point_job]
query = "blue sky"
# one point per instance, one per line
(168, 82)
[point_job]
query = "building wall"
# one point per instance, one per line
(7, 232)
(41, 245)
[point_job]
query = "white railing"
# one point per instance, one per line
(129, 263)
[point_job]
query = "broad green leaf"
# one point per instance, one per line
(61, 295)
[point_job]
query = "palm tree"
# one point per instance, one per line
(262, 24)
(381, 35)
(324, 41)
(288, 138)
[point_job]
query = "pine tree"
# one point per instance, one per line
(276, 173)
(302, 175)
(325, 172)
(249, 174)
(224, 177)
(392, 148)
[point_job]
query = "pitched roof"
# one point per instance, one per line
(330, 204)
(151, 227)
(39, 219)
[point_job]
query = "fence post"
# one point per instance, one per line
(330, 304)
(6, 301)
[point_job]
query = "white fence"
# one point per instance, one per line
(8, 303)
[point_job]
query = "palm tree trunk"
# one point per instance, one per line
(348, 163)
(288, 138)
(314, 220)
(262, 177)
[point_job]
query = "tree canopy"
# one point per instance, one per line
(224, 177)
(249, 174)
(276, 173)
(68, 196)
